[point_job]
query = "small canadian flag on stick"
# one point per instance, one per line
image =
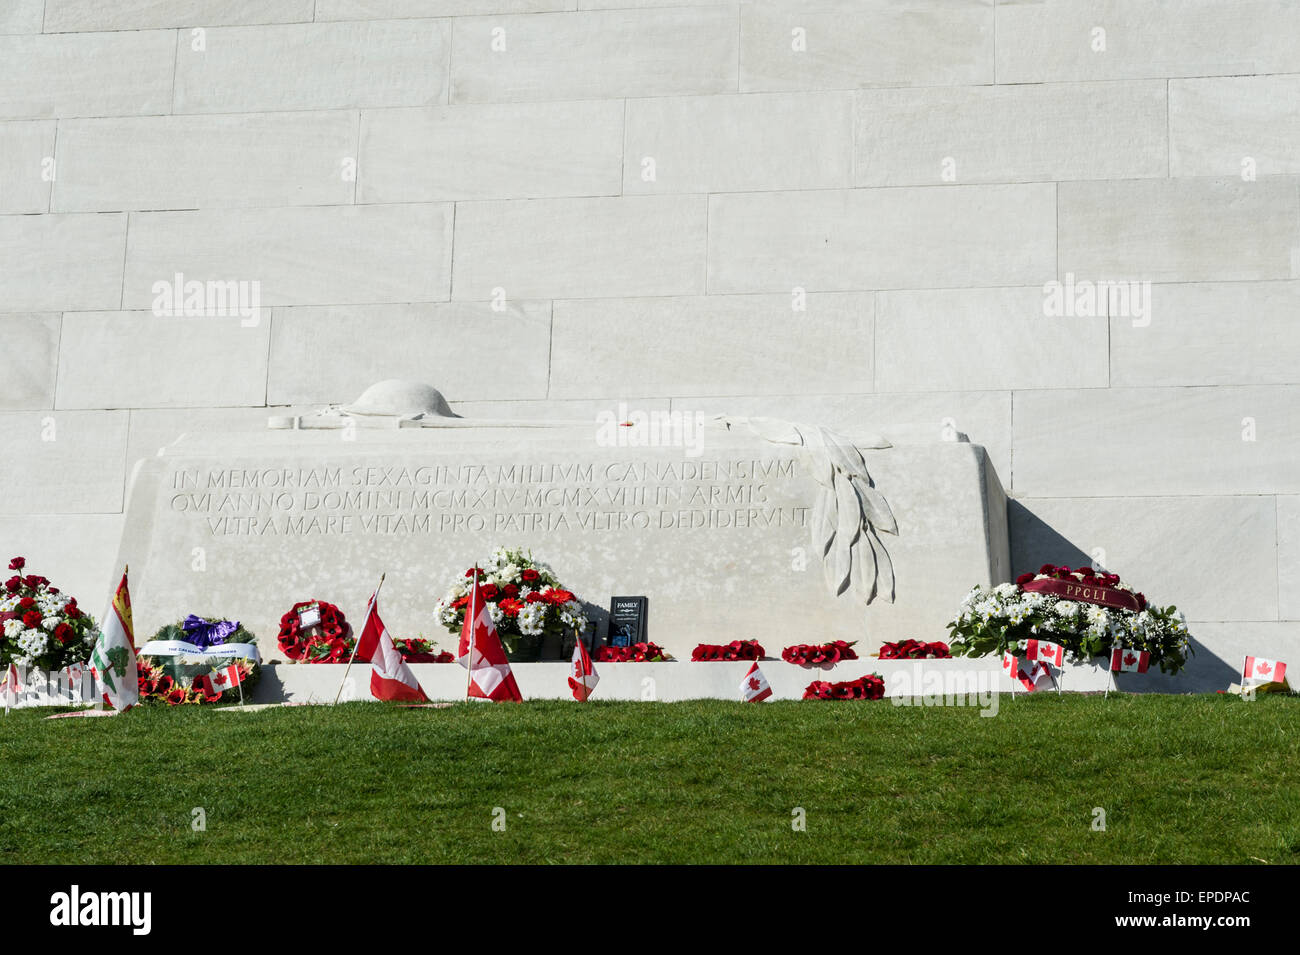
(1044, 651)
(583, 679)
(1259, 670)
(227, 678)
(754, 688)
(1128, 660)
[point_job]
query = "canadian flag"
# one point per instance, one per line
(1259, 670)
(1126, 660)
(227, 678)
(1044, 651)
(11, 686)
(754, 688)
(1029, 680)
(390, 677)
(481, 652)
(584, 678)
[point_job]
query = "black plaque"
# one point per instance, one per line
(627, 621)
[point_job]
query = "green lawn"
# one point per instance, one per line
(1182, 779)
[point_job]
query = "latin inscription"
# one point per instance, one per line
(500, 498)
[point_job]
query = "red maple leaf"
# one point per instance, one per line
(220, 678)
(1262, 667)
(1129, 660)
(753, 683)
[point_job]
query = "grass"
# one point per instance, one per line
(1190, 779)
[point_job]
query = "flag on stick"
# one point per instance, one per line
(754, 687)
(1028, 678)
(1128, 660)
(1044, 651)
(483, 655)
(227, 678)
(11, 686)
(1258, 670)
(112, 662)
(390, 677)
(584, 679)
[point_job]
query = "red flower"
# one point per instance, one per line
(510, 590)
(511, 607)
(27, 603)
(490, 591)
(1024, 579)
(32, 618)
(177, 695)
(63, 633)
(14, 584)
(18, 563)
(557, 596)
(530, 576)
(534, 596)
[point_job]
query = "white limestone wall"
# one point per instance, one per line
(217, 138)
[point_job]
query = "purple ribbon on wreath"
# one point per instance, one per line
(208, 633)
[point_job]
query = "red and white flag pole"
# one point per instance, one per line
(356, 642)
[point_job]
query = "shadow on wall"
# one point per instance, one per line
(1034, 543)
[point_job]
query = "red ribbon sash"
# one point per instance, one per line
(1088, 593)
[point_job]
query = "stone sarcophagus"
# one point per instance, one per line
(734, 528)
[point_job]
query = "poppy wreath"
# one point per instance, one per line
(914, 650)
(422, 651)
(40, 626)
(330, 641)
(636, 653)
(159, 687)
(869, 687)
(809, 655)
(735, 650)
(1088, 612)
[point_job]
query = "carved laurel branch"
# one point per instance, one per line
(849, 515)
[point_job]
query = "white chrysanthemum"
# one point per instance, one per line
(49, 623)
(32, 643)
(509, 574)
(13, 627)
(532, 618)
(1066, 608)
(9, 603)
(1006, 590)
(495, 613)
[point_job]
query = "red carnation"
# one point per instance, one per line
(18, 563)
(1024, 579)
(27, 603)
(32, 618)
(530, 576)
(14, 584)
(63, 633)
(510, 590)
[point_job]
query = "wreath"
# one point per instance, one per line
(171, 666)
(808, 655)
(636, 653)
(735, 650)
(313, 631)
(869, 687)
(419, 650)
(914, 650)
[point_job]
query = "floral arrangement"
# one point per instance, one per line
(735, 650)
(914, 650)
(523, 598)
(326, 637)
(206, 632)
(1086, 612)
(42, 627)
(869, 687)
(809, 655)
(422, 651)
(157, 686)
(636, 653)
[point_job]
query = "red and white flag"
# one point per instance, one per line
(1259, 670)
(1127, 660)
(583, 679)
(482, 653)
(11, 686)
(227, 678)
(1029, 674)
(1044, 651)
(754, 688)
(390, 677)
